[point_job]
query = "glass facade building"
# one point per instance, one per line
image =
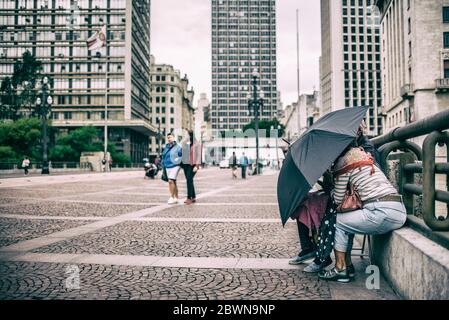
(243, 39)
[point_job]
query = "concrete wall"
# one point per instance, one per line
(416, 267)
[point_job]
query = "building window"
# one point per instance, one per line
(67, 115)
(446, 69)
(446, 40)
(446, 14)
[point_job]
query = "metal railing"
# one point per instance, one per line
(395, 140)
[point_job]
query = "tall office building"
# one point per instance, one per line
(415, 59)
(243, 40)
(56, 33)
(350, 62)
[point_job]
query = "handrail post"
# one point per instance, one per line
(406, 178)
(436, 224)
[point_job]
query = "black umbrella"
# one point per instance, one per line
(313, 153)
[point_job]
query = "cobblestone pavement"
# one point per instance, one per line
(112, 236)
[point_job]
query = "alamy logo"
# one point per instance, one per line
(73, 277)
(373, 280)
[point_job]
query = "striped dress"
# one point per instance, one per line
(368, 186)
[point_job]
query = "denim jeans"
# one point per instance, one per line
(189, 174)
(374, 218)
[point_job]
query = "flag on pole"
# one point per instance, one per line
(97, 40)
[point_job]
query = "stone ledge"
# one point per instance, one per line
(416, 267)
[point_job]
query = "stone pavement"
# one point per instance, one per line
(112, 236)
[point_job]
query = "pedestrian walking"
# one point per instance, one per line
(233, 164)
(171, 160)
(103, 164)
(110, 164)
(244, 162)
(191, 163)
(26, 165)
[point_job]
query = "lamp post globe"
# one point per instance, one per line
(255, 73)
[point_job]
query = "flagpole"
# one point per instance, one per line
(106, 102)
(106, 107)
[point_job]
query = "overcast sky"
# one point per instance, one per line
(181, 36)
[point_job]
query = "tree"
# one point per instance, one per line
(22, 136)
(7, 154)
(26, 69)
(117, 157)
(85, 139)
(264, 124)
(9, 108)
(70, 147)
(18, 91)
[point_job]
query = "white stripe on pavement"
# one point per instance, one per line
(153, 261)
(143, 219)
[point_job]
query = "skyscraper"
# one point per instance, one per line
(243, 41)
(56, 33)
(350, 63)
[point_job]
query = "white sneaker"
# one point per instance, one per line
(172, 201)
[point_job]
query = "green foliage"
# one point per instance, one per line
(120, 158)
(26, 69)
(13, 94)
(7, 154)
(22, 136)
(85, 139)
(264, 124)
(70, 147)
(9, 106)
(117, 157)
(63, 153)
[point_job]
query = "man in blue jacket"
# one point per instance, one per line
(244, 164)
(171, 161)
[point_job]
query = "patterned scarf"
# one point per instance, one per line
(354, 158)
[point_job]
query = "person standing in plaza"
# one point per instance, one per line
(26, 165)
(103, 164)
(171, 160)
(244, 164)
(191, 164)
(233, 165)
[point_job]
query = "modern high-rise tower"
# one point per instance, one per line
(243, 41)
(350, 71)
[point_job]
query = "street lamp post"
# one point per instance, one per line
(255, 103)
(44, 102)
(158, 121)
(277, 137)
